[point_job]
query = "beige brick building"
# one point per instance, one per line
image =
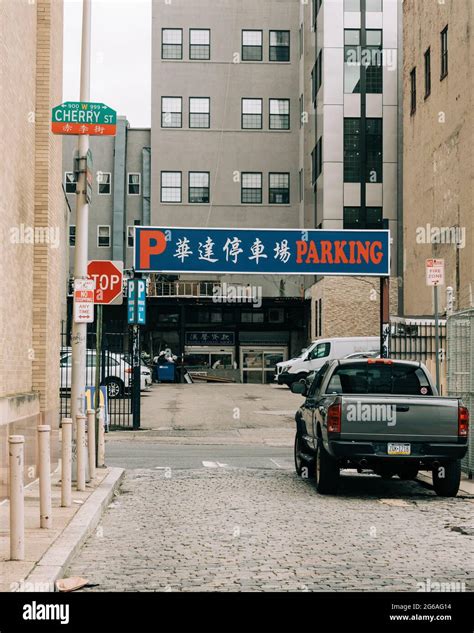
(32, 223)
(438, 133)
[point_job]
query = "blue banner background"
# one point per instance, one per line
(282, 261)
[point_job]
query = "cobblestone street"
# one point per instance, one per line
(261, 528)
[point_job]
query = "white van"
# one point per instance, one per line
(321, 350)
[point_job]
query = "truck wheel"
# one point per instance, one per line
(327, 471)
(408, 472)
(446, 479)
(303, 467)
(297, 378)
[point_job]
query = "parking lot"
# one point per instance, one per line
(210, 503)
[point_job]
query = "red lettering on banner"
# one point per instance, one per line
(301, 249)
(152, 242)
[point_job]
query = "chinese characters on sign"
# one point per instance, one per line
(262, 251)
(210, 338)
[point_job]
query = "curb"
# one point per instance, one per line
(465, 487)
(56, 559)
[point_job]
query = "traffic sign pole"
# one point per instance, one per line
(435, 289)
(79, 330)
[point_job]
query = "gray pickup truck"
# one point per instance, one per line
(382, 415)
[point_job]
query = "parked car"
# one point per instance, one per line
(382, 415)
(313, 357)
(118, 373)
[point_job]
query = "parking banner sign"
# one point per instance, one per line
(262, 251)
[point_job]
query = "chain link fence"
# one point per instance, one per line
(460, 351)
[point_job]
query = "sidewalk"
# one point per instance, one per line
(47, 552)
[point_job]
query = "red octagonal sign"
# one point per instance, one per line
(108, 277)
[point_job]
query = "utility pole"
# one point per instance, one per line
(79, 330)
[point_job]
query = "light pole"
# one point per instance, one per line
(79, 330)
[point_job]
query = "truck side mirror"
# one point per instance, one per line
(299, 387)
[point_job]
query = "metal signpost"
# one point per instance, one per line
(435, 278)
(136, 316)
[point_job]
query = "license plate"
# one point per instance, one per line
(399, 449)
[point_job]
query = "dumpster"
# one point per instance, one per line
(166, 372)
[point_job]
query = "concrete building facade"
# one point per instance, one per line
(438, 150)
(33, 225)
(356, 157)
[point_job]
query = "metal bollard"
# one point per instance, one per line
(101, 447)
(44, 451)
(81, 451)
(66, 463)
(91, 441)
(17, 497)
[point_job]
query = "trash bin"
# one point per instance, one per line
(166, 372)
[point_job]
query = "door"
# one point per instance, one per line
(257, 364)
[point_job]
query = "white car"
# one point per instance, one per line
(118, 372)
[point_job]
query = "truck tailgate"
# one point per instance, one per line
(399, 418)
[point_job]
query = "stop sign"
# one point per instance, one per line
(108, 277)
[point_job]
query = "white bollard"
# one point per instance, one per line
(81, 451)
(44, 452)
(17, 497)
(101, 447)
(91, 441)
(66, 463)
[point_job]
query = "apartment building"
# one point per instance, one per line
(225, 145)
(438, 133)
(355, 160)
(120, 192)
(32, 226)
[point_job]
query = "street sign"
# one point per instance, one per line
(435, 272)
(108, 278)
(84, 118)
(84, 300)
(136, 301)
(262, 251)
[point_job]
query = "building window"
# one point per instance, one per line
(370, 218)
(319, 157)
(374, 145)
(170, 186)
(279, 189)
(72, 235)
(316, 5)
(279, 114)
(103, 236)
(352, 6)
(252, 114)
(171, 43)
(427, 72)
(252, 49)
(199, 44)
(171, 112)
(413, 91)
(373, 66)
(279, 46)
(373, 5)
(69, 182)
(251, 188)
(198, 187)
(104, 183)
(199, 112)
(313, 85)
(352, 57)
(134, 184)
(130, 236)
(352, 155)
(444, 52)
(319, 73)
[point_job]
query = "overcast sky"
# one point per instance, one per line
(121, 56)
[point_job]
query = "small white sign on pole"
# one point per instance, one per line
(84, 300)
(435, 272)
